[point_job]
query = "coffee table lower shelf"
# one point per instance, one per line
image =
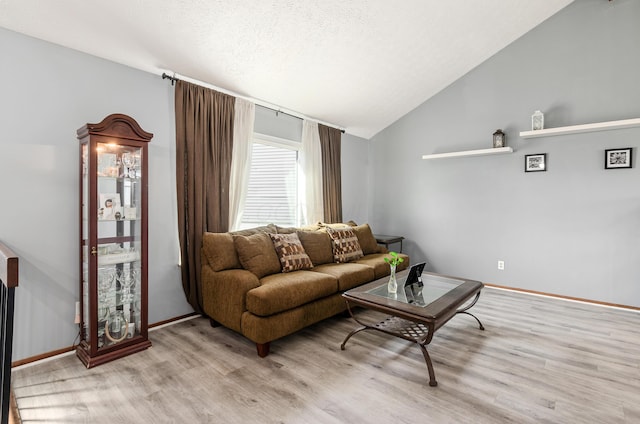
(417, 332)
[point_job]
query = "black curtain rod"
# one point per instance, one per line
(173, 79)
(277, 111)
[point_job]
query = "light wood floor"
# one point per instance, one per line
(540, 360)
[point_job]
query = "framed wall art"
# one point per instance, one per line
(535, 163)
(618, 158)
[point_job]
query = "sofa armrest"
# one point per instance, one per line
(224, 294)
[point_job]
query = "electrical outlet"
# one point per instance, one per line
(77, 318)
(501, 265)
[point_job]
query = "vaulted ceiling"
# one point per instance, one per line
(357, 64)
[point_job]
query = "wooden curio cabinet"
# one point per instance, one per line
(113, 239)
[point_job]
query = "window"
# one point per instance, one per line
(273, 183)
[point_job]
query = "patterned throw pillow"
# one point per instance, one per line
(290, 252)
(346, 247)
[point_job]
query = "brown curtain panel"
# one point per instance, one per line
(204, 142)
(330, 141)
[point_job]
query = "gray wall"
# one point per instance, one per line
(573, 230)
(355, 179)
(48, 92)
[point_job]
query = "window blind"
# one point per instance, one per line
(271, 195)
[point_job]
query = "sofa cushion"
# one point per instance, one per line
(281, 292)
(289, 230)
(256, 254)
(311, 227)
(285, 230)
(269, 228)
(317, 244)
(348, 275)
(265, 329)
(290, 252)
(366, 239)
(219, 250)
(345, 244)
(337, 224)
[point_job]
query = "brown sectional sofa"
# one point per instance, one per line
(245, 289)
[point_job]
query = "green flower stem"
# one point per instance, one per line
(394, 259)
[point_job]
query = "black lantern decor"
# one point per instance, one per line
(499, 139)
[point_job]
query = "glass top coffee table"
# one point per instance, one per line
(417, 311)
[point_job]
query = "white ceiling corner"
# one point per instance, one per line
(358, 64)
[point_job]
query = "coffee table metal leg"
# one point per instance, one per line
(421, 341)
(466, 308)
(427, 359)
(357, 330)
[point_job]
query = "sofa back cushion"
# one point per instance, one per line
(337, 224)
(345, 244)
(257, 254)
(285, 230)
(219, 251)
(269, 228)
(366, 239)
(290, 252)
(317, 244)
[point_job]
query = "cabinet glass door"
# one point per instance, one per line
(84, 194)
(119, 234)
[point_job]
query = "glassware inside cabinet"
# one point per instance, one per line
(119, 295)
(119, 188)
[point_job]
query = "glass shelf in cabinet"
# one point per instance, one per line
(118, 258)
(125, 219)
(118, 179)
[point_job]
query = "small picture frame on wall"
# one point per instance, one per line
(535, 163)
(618, 158)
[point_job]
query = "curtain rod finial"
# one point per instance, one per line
(172, 78)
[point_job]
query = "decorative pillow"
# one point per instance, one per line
(346, 247)
(317, 244)
(290, 252)
(219, 250)
(366, 239)
(256, 254)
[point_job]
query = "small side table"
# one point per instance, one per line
(387, 240)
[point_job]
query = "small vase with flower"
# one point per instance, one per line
(393, 261)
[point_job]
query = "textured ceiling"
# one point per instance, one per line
(357, 64)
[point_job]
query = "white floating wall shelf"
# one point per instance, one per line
(481, 152)
(575, 129)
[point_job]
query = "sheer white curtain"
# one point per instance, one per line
(310, 175)
(244, 118)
